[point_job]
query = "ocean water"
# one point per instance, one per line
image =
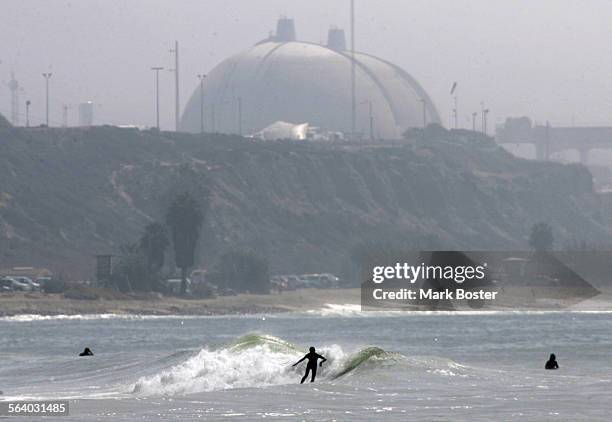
(417, 366)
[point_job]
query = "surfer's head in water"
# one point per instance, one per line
(86, 352)
(312, 357)
(552, 362)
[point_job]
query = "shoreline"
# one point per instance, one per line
(302, 300)
(22, 303)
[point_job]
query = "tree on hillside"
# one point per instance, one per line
(184, 218)
(131, 272)
(541, 237)
(153, 243)
(139, 264)
(243, 271)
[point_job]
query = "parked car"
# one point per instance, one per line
(174, 285)
(27, 280)
(6, 284)
(42, 281)
(15, 285)
(279, 282)
(305, 281)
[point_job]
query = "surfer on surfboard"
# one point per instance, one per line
(312, 357)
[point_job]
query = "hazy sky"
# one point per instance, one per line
(549, 59)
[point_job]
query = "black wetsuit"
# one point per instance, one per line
(551, 364)
(311, 366)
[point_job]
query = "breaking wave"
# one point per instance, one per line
(252, 361)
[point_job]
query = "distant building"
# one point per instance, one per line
(284, 80)
(86, 114)
(283, 130)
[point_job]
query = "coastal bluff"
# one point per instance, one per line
(69, 194)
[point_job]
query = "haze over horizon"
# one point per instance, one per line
(543, 59)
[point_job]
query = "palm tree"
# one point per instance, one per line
(153, 243)
(184, 218)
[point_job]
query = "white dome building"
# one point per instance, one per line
(280, 79)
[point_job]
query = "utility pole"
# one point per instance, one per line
(65, 115)
(455, 110)
(547, 140)
(353, 94)
(482, 112)
(47, 76)
(485, 111)
(422, 100)
(157, 69)
(28, 102)
(177, 102)
(474, 114)
(14, 87)
(240, 116)
(201, 77)
(371, 121)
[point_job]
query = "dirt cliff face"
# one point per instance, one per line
(66, 195)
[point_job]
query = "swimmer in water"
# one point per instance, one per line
(312, 357)
(86, 352)
(552, 362)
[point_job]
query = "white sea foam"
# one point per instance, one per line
(354, 310)
(258, 366)
(328, 310)
(128, 317)
(87, 317)
(260, 360)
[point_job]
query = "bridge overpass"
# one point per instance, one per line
(548, 139)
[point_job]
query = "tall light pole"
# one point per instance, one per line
(47, 76)
(157, 69)
(28, 102)
(482, 115)
(455, 110)
(485, 111)
(371, 121)
(422, 100)
(201, 77)
(240, 116)
(65, 115)
(353, 94)
(177, 102)
(370, 117)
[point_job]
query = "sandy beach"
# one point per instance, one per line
(18, 303)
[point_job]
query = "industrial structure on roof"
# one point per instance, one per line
(282, 79)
